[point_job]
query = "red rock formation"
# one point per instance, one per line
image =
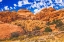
(25, 14)
(7, 29)
(7, 16)
(49, 14)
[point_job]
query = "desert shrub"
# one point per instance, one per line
(61, 28)
(14, 34)
(36, 31)
(37, 28)
(48, 23)
(57, 22)
(29, 34)
(48, 29)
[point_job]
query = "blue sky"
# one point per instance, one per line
(32, 5)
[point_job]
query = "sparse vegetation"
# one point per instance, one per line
(61, 28)
(14, 34)
(57, 22)
(37, 28)
(48, 29)
(32, 25)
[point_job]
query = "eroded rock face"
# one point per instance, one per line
(7, 16)
(7, 29)
(26, 14)
(49, 14)
(29, 25)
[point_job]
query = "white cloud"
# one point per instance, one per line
(11, 8)
(58, 1)
(0, 0)
(36, 10)
(15, 5)
(25, 2)
(6, 8)
(1, 9)
(19, 3)
(37, 5)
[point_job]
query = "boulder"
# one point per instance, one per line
(7, 29)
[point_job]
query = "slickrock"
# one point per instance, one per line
(7, 29)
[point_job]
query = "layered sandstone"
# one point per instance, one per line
(25, 14)
(49, 14)
(7, 16)
(7, 29)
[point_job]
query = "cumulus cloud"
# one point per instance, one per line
(58, 1)
(6, 8)
(15, 5)
(25, 2)
(36, 10)
(37, 5)
(11, 8)
(19, 3)
(0, 0)
(1, 9)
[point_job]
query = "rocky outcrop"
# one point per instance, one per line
(7, 29)
(7, 16)
(29, 25)
(49, 14)
(25, 14)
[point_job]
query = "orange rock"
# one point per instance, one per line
(7, 29)
(26, 13)
(51, 9)
(49, 14)
(53, 27)
(7, 16)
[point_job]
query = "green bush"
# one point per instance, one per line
(48, 23)
(14, 34)
(57, 22)
(48, 29)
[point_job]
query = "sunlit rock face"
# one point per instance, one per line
(7, 29)
(7, 16)
(49, 14)
(25, 14)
